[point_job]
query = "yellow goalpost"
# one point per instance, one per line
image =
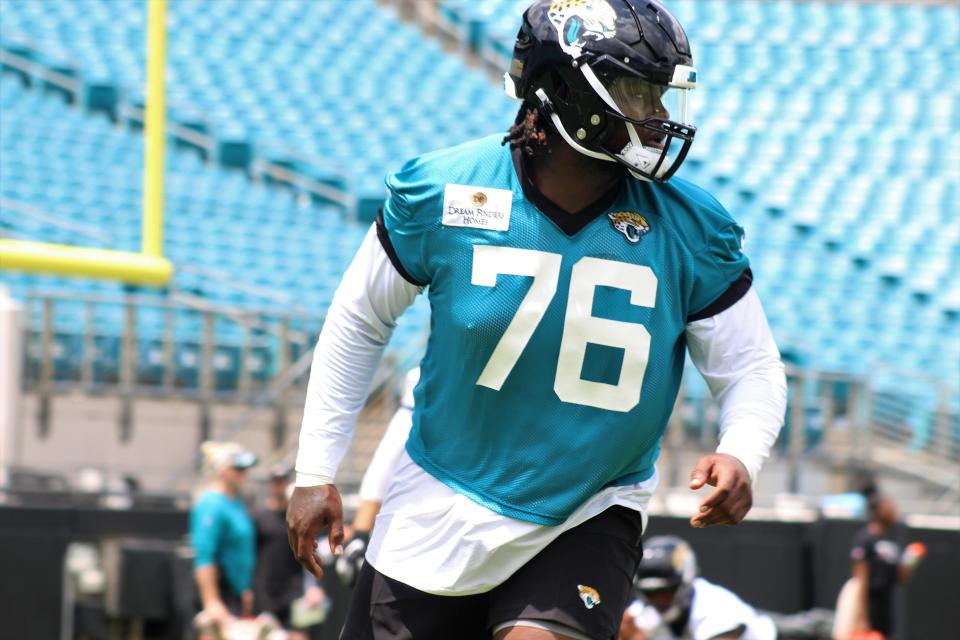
(149, 266)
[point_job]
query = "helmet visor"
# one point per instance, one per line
(638, 99)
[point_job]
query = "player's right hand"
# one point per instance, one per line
(311, 509)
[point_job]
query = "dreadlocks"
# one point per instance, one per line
(526, 133)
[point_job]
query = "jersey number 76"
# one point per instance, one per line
(579, 327)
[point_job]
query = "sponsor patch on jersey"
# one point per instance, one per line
(589, 596)
(631, 224)
(478, 207)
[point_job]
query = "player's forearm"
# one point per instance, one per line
(207, 577)
(861, 572)
(361, 318)
(736, 354)
(344, 363)
(751, 415)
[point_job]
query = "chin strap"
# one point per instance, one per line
(555, 119)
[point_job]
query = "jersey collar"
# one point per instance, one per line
(569, 223)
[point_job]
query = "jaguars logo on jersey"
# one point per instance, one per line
(580, 21)
(589, 595)
(631, 224)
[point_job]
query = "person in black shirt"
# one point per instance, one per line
(279, 578)
(879, 565)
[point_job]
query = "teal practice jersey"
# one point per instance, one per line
(557, 341)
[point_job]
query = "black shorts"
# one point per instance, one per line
(595, 560)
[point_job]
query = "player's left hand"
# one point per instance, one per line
(733, 496)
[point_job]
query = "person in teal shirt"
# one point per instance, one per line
(223, 536)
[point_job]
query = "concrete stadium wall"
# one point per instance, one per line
(84, 431)
(161, 452)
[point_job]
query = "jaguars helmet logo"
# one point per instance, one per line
(581, 21)
(589, 595)
(631, 224)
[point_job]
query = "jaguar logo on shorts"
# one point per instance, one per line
(589, 595)
(631, 224)
(479, 198)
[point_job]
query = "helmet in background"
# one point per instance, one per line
(668, 563)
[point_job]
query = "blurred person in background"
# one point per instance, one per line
(865, 607)
(673, 603)
(279, 579)
(222, 534)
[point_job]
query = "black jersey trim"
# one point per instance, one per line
(569, 223)
(384, 238)
(728, 298)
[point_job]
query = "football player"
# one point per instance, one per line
(568, 274)
(674, 604)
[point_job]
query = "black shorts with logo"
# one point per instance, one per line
(581, 580)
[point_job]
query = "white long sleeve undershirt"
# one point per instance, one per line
(737, 356)
(734, 351)
(359, 323)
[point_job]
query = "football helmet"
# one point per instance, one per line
(593, 66)
(668, 563)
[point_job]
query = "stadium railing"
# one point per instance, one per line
(847, 423)
(182, 348)
(168, 347)
(282, 166)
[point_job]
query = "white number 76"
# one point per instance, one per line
(580, 326)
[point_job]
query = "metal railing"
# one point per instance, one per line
(189, 350)
(31, 211)
(343, 197)
(155, 357)
(847, 423)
